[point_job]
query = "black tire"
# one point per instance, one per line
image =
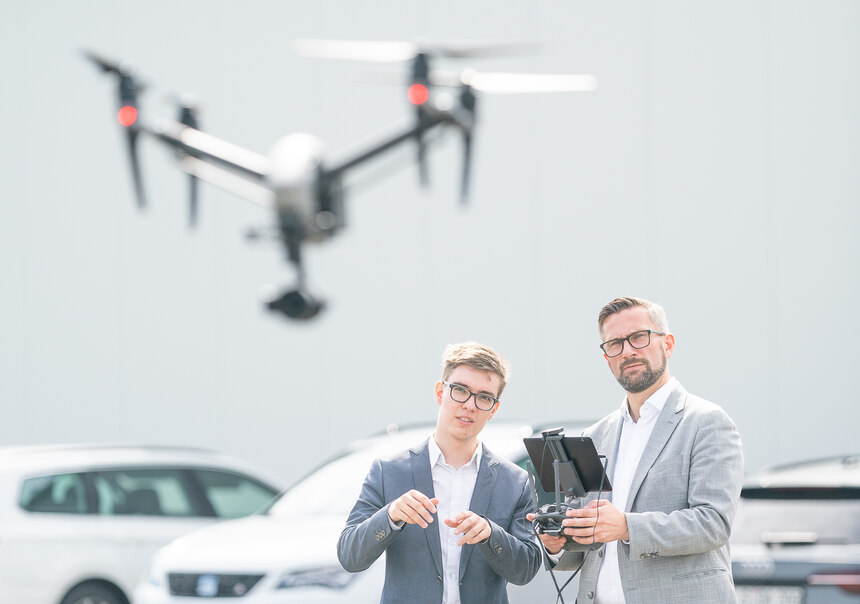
(94, 593)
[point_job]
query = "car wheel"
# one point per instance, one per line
(94, 593)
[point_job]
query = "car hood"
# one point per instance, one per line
(254, 544)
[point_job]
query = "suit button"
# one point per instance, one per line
(643, 556)
(590, 595)
(600, 552)
(439, 578)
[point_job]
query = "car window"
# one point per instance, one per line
(799, 516)
(232, 495)
(543, 496)
(145, 491)
(57, 494)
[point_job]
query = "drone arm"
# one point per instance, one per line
(385, 145)
(212, 149)
(228, 181)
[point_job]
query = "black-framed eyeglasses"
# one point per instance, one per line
(461, 394)
(637, 339)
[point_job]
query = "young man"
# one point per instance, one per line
(449, 514)
(676, 468)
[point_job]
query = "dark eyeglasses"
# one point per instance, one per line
(461, 394)
(637, 339)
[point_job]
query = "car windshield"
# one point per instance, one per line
(798, 516)
(333, 488)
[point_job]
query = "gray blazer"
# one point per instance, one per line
(413, 562)
(680, 508)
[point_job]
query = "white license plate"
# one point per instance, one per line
(769, 594)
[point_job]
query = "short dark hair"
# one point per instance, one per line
(655, 312)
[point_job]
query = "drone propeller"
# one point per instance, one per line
(515, 83)
(394, 51)
(128, 88)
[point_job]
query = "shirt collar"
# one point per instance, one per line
(436, 454)
(653, 405)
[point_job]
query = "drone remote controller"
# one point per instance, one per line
(548, 522)
(548, 519)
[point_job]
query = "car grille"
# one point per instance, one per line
(205, 585)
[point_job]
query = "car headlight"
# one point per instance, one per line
(155, 578)
(332, 577)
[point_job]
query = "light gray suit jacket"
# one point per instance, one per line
(680, 509)
(413, 561)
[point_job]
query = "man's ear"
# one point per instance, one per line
(670, 344)
(440, 388)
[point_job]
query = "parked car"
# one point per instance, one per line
(80, 523)
(288, 553)
(796, 538)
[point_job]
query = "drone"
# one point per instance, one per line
(303, 188)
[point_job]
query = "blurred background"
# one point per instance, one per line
(714, 170)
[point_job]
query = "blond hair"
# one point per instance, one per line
(477, 356)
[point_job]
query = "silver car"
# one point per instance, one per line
(796, 539)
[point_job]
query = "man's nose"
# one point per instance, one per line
(471, 401)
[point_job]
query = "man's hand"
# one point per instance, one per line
(474, 528)
(599, 521)
(413, 507)
(551, 543)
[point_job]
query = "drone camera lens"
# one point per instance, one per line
(297, 304)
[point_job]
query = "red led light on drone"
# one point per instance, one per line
(127, 115)
(418, 94)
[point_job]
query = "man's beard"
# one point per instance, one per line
(646, 379)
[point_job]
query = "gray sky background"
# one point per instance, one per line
(714, 171)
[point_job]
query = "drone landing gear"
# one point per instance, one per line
(297, 303)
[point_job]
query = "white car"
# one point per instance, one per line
(80, 523)
(288, 553)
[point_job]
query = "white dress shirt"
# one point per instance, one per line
(634, 437)
(453, 488)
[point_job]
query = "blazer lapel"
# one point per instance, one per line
(666, 424)
(484, 484)
(423, 481)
